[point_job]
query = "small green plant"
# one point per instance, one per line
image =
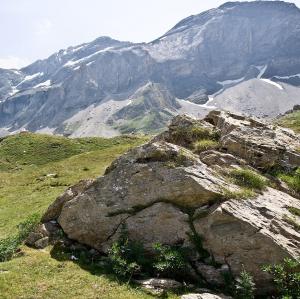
(248, 179)
(286, 277)
(10, 245)
(245, 286)
(204, 145)
(126, 257)
(294, 211)
(169, 261)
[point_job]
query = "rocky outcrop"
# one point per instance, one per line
(260, 144)
(164, 192)
(251, 233)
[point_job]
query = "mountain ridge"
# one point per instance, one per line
(200, 57)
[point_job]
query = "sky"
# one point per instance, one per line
(35, 29)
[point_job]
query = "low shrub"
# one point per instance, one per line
(8, 247)
(11, 244)
(245, 286)
(168, 261)
(126, 257)
(248, 179)
(286, 277)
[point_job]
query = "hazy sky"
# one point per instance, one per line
(34, 29)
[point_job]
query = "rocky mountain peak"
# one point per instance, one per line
(242, 57)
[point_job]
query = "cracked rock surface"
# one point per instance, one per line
(165, 193)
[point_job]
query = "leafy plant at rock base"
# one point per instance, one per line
(126, 257)
(245, 286)
(10, 245)
(286, 277)
(169, 261)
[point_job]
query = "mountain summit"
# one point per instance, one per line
(242, 56)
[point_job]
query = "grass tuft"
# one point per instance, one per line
(204, 145)
(294, 211)
(243, 193)
(292, 179)
(248, 179)
(291, 121)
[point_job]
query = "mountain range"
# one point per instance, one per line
(242, 56)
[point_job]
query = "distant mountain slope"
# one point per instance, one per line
(84, 90)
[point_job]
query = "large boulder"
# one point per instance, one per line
(163, 192)
(151, 187)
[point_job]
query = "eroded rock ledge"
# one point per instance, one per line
(166, 193)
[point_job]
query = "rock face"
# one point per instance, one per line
(244, 56)
(204, 296)
(262, 145)
(165, 193)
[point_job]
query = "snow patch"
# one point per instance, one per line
(272, 83)
(74, 62)
(14, 91)
(30, 77)
(287, 77)
(228, 82)
(43, 84)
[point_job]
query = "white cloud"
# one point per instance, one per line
(43, 27)
(13, 62)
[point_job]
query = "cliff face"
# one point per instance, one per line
(87, 90)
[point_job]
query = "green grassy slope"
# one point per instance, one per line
(291, 120)
(36, 275)
(34, 170)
